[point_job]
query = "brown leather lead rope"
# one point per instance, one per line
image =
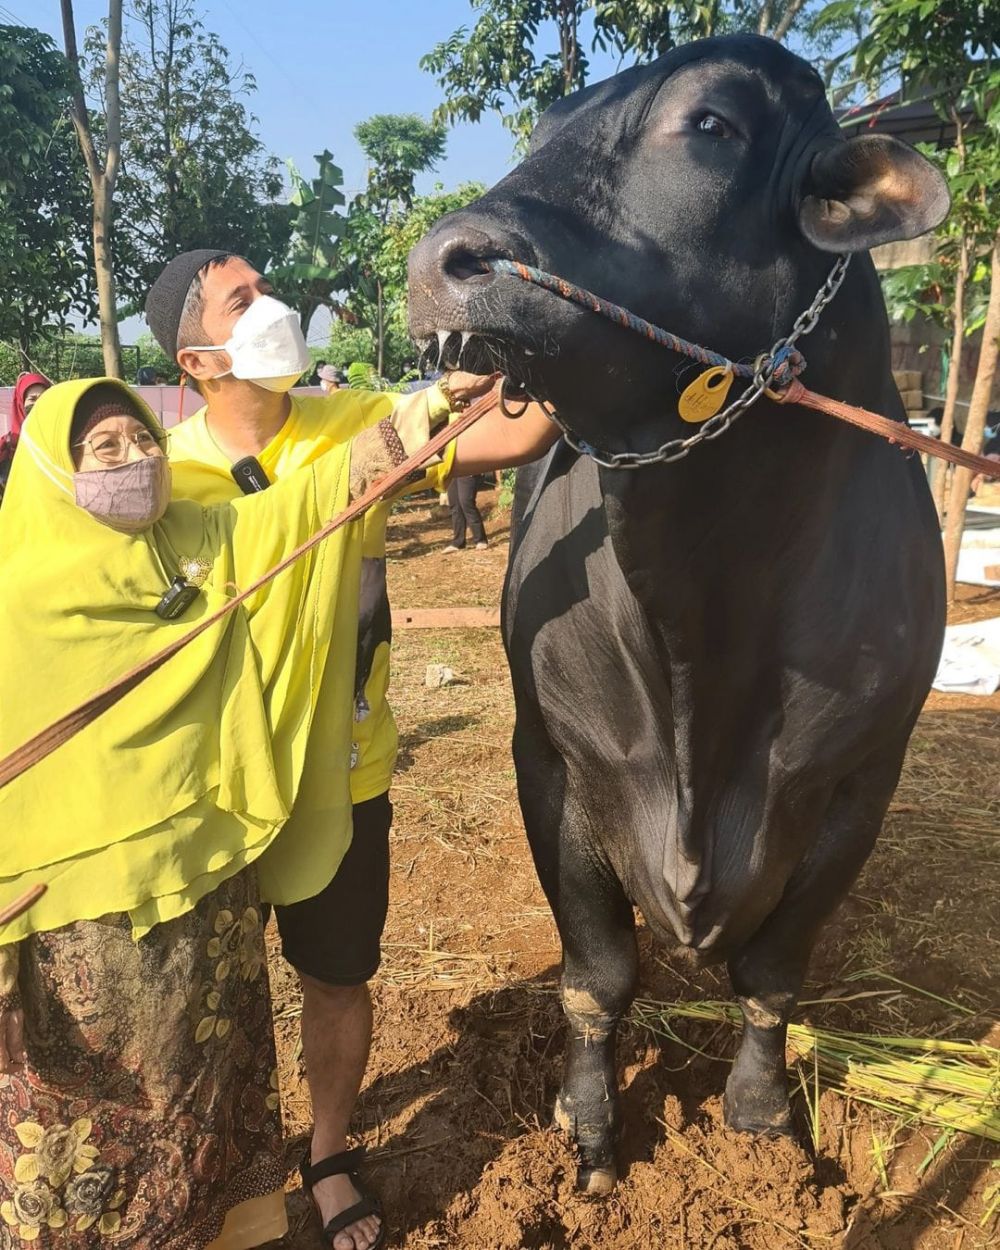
(894, 431)
(21, 905)
(44, 743)
(68, 726)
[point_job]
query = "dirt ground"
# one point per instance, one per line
(469, 1035)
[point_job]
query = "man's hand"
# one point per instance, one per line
(466, 387)
(12, 1053)
(980, 478)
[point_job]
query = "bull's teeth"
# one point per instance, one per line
(466, 335)
(442, 338)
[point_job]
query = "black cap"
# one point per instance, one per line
(165, 301)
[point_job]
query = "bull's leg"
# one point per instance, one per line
(767, 973)
(767, 984)
(600, 961)
(599, 973)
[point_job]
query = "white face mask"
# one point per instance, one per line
(266, 346)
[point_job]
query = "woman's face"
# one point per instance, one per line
(31, 396)
(114, 441)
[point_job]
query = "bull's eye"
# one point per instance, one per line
(714, 126)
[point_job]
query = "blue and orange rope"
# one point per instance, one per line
(788, 363)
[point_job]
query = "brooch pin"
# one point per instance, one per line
(195, 570)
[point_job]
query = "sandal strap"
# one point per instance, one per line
(333, 1165)
(368, 1205)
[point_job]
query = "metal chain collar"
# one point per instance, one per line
(764, 369)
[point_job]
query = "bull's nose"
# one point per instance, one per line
(450, 274)
(463, 255)
(458, 252)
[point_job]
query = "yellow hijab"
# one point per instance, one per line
(192, 775)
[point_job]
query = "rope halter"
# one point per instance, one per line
(772, 370)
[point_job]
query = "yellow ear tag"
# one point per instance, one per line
(705, 395)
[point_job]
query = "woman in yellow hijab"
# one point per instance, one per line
(139, 1105)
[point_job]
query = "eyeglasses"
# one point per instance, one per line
(112, 447)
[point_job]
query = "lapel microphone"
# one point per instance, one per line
(249, 475)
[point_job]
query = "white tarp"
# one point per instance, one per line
(980, 549)
(970, 661)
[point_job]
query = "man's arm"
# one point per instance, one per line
(494, 442)
(500, 442)
(497, 441)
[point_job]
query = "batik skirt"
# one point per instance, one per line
(148, 1108)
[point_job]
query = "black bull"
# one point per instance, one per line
(717, 663)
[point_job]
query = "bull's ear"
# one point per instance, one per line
(870, 190)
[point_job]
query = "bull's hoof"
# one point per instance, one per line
(761, 1117)
(596, 1182)
(597, 1173)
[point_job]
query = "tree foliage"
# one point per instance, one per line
(312, 271)
(520, 56)
(44, 203)
(399, 146)
(194, 171)
(34, 90)
(46, 254)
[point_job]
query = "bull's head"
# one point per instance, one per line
(706, 192)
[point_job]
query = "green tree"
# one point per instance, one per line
(194, 170)
(101, 149)
(403, 232)
(522, 55)
(46, 254)
(44, 209)
(399, 146)
(349, 343)
(34, 91)
(953, 46)
(312, 272)
(377, 255)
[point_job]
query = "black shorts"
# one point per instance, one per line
(335, 937)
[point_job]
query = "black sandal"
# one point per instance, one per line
(345, 1164)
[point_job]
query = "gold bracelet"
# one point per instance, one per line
(454, 405)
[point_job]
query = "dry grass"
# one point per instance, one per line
(946, 1084)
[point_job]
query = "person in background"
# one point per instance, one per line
(991, 450)
(28, 389)
(465, 513)
(245, 350)
(329, 379)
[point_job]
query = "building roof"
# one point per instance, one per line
(907, 113)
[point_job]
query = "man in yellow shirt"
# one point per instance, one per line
(216, 315)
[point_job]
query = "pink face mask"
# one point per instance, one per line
(128, 497)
